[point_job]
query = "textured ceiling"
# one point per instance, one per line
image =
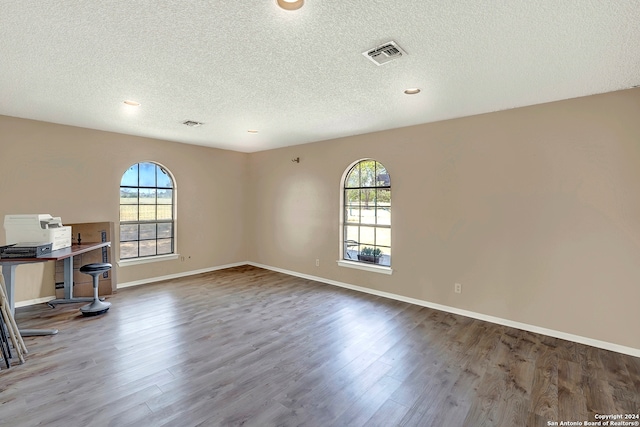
(299, 77)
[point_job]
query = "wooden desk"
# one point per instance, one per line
(66, 254)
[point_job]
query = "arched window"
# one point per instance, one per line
(367, 214)
(147, 223)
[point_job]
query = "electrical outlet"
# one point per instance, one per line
(317, 262)
(457, 288)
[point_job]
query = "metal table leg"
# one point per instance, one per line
(8, 271)
(68, 287)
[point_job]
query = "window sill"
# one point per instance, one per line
(366, 267)
(146, 260)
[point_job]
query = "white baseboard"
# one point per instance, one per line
(497, 320)
(178, 275)
(34, 301)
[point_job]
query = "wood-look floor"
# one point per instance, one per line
(251, 347)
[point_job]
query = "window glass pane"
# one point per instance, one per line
(147, 175)
(368, 215)
(351, 250)
(352, 214)
(353, 178)
(147, 247)
(128, 250)
(147, 196)
(352, 197)
(385, 258)
(367, 236)
(147, 231)
(165, 197)
(368, 173)
(128, 232)
(382, 176)
(351, 233)
(147, 212)
(383, 196)
(163, 179)
(383, 236)
(165, 246)
(128, 212)
(165, 212)
(130, 177)
(128, 196)
(368, 197)
(165, 230)
(383, 216)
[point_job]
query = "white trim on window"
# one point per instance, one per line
(366, 267)
(156, 222)
(346, 257)
(145, 260)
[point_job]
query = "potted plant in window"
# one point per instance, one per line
(369, 254)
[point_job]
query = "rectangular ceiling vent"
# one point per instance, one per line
(384, 53)
(192, 123)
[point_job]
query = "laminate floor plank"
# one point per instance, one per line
(420, 379)
(251, 347)
(572, 401)
(544, 396)
(389, 414)
(363, 407)
(436, 387)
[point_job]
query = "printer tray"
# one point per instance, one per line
(25, 250)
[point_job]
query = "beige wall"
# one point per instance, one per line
(535, 211)
(75, 173)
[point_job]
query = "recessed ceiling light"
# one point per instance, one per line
(412, 91)
(252, 131)
(290, 4)
(132, 103)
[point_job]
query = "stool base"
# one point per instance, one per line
(95, 308)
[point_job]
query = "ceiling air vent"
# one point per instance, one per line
(384, 53)
(192, 123)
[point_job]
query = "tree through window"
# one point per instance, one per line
(367, 214)
(147, 197)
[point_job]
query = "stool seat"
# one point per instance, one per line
(96, 307)
(96, 267)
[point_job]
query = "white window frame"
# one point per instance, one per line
(151, 258)
(353, 263)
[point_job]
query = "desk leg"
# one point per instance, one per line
(68, 277)
(8, 271)
(68, 286)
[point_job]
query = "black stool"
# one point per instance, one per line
(96, 307)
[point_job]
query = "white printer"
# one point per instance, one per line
(39, 228)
